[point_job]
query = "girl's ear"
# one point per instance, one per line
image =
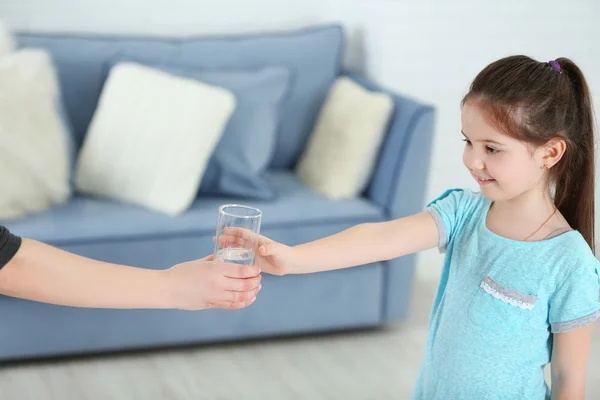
(552, 152)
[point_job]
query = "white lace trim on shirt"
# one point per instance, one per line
(506, 299)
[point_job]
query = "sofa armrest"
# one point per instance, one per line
(399, 186)
(399, 182)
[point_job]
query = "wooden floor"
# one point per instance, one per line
(374, 364)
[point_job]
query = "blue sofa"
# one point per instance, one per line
(365, 296)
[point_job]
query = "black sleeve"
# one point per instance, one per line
(9, 244)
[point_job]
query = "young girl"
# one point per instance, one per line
(520, 284)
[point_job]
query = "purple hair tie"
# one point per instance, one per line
(555, 65)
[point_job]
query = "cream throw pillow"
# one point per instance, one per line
(7, 41)
(151, 137)
(342, 151)
(34, 166)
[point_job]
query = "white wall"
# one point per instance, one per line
(430, 49)
(157, 17)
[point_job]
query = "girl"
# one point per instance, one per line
(520, 283)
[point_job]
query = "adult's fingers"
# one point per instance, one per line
(231, 270)
(242, 285)
(208, 258)
(227, 305)
(245, 285)
(237, 297)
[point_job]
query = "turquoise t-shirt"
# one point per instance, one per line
(498, 303)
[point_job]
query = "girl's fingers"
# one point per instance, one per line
(231, 241)
(244, 233)
(268, 249)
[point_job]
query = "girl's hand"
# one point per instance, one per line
(272, 257)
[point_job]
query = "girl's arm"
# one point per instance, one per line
(570, 353)
(368, 243)
(361, 244)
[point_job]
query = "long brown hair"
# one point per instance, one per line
(535, 102)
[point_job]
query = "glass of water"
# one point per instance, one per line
(238, 229)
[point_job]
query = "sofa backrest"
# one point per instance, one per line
(313, 55)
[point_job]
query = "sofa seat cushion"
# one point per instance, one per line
(86, 219)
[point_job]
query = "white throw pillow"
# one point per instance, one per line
(151, 137)
(342, 151)
(34, 167)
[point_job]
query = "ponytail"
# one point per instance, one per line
(574, 195)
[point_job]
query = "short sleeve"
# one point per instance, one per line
(577, 301)
(9, 244)
(446, 210)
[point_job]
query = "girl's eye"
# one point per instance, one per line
(467, 141)
(492, 150)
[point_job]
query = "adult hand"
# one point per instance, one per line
(209, 283)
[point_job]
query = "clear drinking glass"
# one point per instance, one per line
(238, 228)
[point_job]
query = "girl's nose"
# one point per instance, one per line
(477, 164)
(473, 161)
